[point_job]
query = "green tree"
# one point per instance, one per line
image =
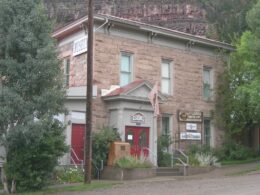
(239, 93)
(101, 143)
(31, 91)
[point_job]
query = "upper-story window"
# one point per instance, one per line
(166, 80)
(66, 68)
(207, 83)
(126, 69)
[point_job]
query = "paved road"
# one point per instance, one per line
(217, 182)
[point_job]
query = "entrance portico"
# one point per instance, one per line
(131, 113)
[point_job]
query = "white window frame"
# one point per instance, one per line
(211, 87)
(130, 73)
(169, 78)
(66, 70)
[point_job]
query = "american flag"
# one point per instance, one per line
(153, 97)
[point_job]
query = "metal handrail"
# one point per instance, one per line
(74, 153)
(184, 155)
(185, 164)
(99, 169)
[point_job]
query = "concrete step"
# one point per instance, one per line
(168, 171)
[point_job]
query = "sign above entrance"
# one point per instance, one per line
(194, 116)
(138, 118)
(190, 136)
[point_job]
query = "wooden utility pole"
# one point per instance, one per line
(88, 129)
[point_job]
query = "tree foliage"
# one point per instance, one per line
(33, 152)
(100, 144)
(239, 93)
(31, 92)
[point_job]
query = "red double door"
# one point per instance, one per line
(77, 143)
(138, 137)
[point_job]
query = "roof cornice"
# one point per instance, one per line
(78, 24)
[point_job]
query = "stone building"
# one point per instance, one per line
(129, 58)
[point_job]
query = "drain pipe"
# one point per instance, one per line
(101, 25)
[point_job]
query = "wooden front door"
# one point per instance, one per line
(138, 137)
(77, 143)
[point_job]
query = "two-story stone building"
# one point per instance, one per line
(129, 58)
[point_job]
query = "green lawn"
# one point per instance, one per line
(244, 172)
(235, 162)
(72, 188)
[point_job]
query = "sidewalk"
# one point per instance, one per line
(224, 171)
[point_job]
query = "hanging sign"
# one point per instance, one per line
(80, 46)
(138, 118)
(190, 136)
(185, 116)
(191, 127)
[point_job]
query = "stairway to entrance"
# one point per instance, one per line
(169, 171)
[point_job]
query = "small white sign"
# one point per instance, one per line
(130, 137)
(190, 136)
(191, 126)
(80, 46)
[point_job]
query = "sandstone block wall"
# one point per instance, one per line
(187, 73)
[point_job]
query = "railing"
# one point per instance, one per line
(185, 164)
(99, 169)
(82, 163)
(154, 155)
(77, 158)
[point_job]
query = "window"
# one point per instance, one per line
(166, 77)
(165, 125)
(166, 129)
(125, 69)
(66, 66)
(207, 84)
(207, 132)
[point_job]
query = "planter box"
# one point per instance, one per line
(198, 170)
(115, 173)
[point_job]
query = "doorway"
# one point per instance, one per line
(138, 137)
(77, 143)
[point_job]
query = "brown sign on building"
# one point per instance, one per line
(190, 116)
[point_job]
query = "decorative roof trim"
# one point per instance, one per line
(76, 25)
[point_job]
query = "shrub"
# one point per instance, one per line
(233, 151)
(164, 158)
(201, 155)
(33, 153)
(69, 175)
(100, 144)
(131, 162)
(206, 159)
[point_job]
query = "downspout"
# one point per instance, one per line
(101, 25)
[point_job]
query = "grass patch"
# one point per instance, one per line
(244, 172)
(258, 167)
(236, 162)
(71, 188)
(240, 173)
